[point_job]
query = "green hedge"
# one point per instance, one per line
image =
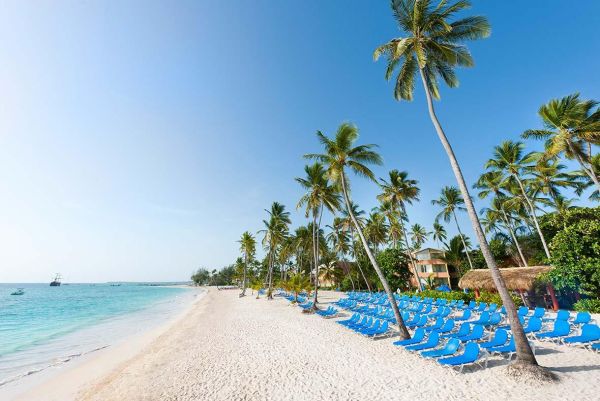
(587, 305)
(487, 297)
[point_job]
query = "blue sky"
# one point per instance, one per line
(139, 139)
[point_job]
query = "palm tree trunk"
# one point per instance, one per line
(316, 253)
(533, 215)
(588, 171)
(244, 279)
(514, 237)
(404, 334)
(524, 353)
(271, 262)
(462, 238)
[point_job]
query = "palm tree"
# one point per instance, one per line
(570, 124)
(433, 48)
(548, 177)
(451, 200)
(455, 252)
(339, 240)
(349, 225)
(418, 235)
(495, 214)
(509, 159)
(296, 284)
(338, 155)
(492, 182)
(276, 229)
(595, 165)
(399, 191)
(320, 194)
(247, 247)
(439, 233)
(376, 230)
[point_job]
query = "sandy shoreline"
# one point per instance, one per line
(226, 348)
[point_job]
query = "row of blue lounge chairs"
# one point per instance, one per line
(437, 336)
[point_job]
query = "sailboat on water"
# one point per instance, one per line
(56, 281)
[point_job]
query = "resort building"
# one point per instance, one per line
(430, 263)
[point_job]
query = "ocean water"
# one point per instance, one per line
(49, 326)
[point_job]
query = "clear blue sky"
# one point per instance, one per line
(139, 139)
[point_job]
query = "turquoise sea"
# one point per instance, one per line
(47, 325)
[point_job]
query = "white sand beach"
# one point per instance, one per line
(225, 348)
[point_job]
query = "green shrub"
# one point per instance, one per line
(587, 305)
(452, 295)
(494, 298)
(576, 258)
(394, 264)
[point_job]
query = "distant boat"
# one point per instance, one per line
(56, 281)
(19, 291)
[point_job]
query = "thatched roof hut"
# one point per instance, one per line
(516, 278)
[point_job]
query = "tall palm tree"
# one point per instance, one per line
(451, 200)
(439, 233)
(418, 236)
(495, 214)
(247, 247)
(548, 177)
(276, 229)
(376, 230)
(302, 241)
(509, 159)
(433, 48)
(399, 191)
(349, 225)
(492, 182)
(339, 154)
(587, 182)
(319, 194)
(571, 126)
(394, 228)
(340, 243)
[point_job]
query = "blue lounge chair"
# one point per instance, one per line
(353, 319)
(561, 329)
(432, 342)
(383, 329)
(589, 333)
(500, 338)
(464, 329)
(465, 316)
(471, 305)
(534, 325)
(539, 312)
(439, 322)
(420, 323)
(468, 357)
(447, 327)
(373, 327)
(483, 318)
(523, 311)
(560, 315)
(417, 337)
(366, 321)
(509, 349)
(450, 348)
(481, 307)
(582, 318)
(595, 347)
(475, 335)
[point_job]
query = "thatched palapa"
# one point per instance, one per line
(516, 278)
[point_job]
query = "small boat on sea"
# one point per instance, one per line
(56, 281)
(19, 291)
